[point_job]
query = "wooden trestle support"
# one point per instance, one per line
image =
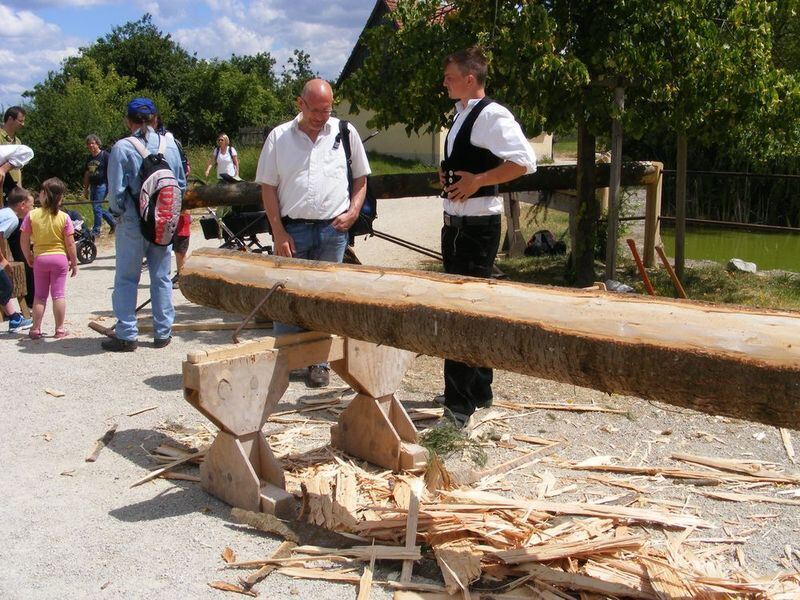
(237, 387)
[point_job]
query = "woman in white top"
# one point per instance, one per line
(226, 159)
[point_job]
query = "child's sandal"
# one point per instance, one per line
(61, 333)
(34, 334)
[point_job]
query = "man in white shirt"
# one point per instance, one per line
(484, 148)
(305, 189)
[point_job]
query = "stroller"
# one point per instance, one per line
(84, 239)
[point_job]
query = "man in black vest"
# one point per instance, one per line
(484, 148)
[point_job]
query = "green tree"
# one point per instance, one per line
(293, 78)
(222, 97)
(551, 61)
(90, 99)
(141, 51)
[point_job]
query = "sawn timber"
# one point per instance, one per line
(717, 359)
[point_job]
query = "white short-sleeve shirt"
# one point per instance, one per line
(311, 177)
(497, 130)
(225, 161)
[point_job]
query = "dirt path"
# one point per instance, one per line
(77, 529)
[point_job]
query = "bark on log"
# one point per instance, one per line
(717, 359)
(547, 177)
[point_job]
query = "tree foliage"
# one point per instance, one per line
(698, 65)
(86, 102)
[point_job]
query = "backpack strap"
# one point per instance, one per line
(344, 138)
(162, 143)
(143, 151)
(140, 148)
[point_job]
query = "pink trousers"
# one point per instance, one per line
(50, 276)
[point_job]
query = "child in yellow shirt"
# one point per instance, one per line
(51, 231)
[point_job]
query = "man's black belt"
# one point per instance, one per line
(459, 222)
(290, 220)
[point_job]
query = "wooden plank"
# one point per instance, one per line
(416, 487)
(733, 361)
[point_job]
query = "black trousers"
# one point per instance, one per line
(15, 244)
(468, 250)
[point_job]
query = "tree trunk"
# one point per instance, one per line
(547, 177)
(588, 209)
(716, 359)
(680, 205)
(614, 186)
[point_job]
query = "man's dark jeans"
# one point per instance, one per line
(468, 250)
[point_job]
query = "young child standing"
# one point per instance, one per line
(51, 231)
(19, 204)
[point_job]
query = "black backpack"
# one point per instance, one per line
(543, 242)
(369, 210)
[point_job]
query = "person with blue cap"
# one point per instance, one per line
(124, 184)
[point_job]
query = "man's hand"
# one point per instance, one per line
(464, 187)
(344, 221)
(284, 243)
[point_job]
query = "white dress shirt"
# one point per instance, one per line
(311, 177)
(496, 130)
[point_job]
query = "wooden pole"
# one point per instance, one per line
(652, 214)
(733, 361)
(614, 185)
(680, 205)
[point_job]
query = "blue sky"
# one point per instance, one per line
(36, 35)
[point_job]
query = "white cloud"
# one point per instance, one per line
(34, 4)
(221, 39)
(22, 24)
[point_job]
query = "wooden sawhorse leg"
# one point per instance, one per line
(238, 387)
(375, 426)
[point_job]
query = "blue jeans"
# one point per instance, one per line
(313, 241)
(132, 248)
(97, 193)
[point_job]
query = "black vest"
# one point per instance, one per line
(466, 157)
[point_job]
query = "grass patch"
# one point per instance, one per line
(446, 439)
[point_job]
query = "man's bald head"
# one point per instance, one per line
(317, 90)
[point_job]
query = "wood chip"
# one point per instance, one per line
(228, 555)
(737, 497)
(167, 467)
(143, 410)
(264, 522)
(229, 587)
(786, 437)
(54, 393)
(283, 551)
(101, 443)
(365, 583)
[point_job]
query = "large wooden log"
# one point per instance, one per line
(547, 177)
(717, 359)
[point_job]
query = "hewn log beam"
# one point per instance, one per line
(731, 361)
(547, 177)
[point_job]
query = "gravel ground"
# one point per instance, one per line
(76, 529)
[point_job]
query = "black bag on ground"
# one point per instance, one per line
(369, 210)
(543, 242)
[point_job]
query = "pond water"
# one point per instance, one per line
(767, 250)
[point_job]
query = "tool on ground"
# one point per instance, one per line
(640, 265)
(110, 331)
(672, 275)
